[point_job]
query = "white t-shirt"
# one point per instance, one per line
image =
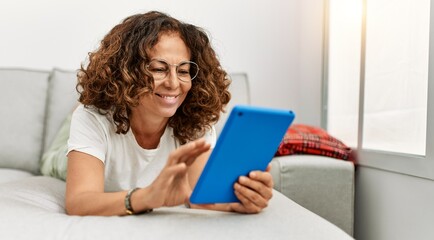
(127, 165)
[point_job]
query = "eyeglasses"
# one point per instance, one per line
(185, 71)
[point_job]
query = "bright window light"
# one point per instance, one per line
(396, 79)
(345, 34)
(395, 74)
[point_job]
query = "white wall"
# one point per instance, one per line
(392, 206)
(261, 38)
(310, 60)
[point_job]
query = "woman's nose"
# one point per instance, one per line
(172, 78)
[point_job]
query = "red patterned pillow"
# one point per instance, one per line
(304, 139)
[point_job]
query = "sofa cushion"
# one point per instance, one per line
(62, 98)
(33, 208)
(54, 161)
(10, 175)
(23, 109)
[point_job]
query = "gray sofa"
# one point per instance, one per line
(313, 198)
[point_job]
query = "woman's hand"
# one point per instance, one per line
(172, 187)
(254, 192)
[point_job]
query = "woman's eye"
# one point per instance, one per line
(159, 70)
(183, 72)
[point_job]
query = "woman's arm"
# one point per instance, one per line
(85, 184)
(85, 188)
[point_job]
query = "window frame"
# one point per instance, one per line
(414, 165)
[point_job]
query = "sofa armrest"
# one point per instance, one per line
(323, 185)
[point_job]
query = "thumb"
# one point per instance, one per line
(179, 169)
(174, 171)
(268, 168)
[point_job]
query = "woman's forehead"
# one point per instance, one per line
(170, 45)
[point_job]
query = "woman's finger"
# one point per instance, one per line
(268, 168)
(188, 152)
(258, 187)
(170, 172)
(252, 197)
(265, 177)
(247, 205)
(196, 151)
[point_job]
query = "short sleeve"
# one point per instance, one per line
(210, 136)
(88, 133)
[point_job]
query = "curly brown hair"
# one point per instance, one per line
(115, 77)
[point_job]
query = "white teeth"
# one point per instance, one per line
(168, 97)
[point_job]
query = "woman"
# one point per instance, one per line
(144, 129)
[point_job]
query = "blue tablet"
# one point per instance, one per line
(248, 142)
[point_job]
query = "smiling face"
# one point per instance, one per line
(169, 93)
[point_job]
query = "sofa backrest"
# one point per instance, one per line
(22, 111)
(62, 99)
(240, 95)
